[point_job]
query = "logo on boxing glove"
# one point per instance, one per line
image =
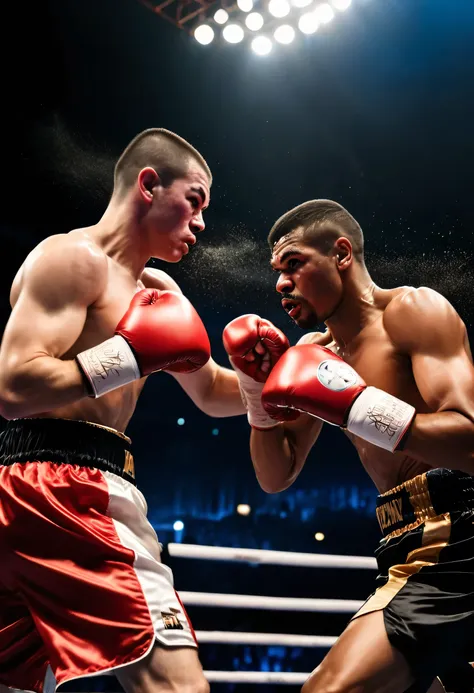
(336, 376)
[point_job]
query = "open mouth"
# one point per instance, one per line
(293, 308)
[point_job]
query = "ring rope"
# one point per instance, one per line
(261, 556)
(247, 601)
(278, 677)
(285, 639)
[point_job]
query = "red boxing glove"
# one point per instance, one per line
(160, 330)
(311, 379)
(240, 337)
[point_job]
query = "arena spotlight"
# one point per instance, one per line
(245, 5)
(254, 21)
(308, 23)
(324, 13)
(319, 536)
(341, 4)
(180, 422)
(279, 8)
(261, 45)
(233, 33)
(178, 526)
(243, 509)
(204, 34)
(221, 16)
(284, 34)
(302, 3)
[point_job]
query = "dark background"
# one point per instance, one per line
(375, 112)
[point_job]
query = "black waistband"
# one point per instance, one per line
(428, 495)
(67, 442)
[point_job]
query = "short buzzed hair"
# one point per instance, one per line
(323, 222)
(168, 153)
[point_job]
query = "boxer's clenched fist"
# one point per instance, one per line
(254, 346)
(160, 330)
(310, 378)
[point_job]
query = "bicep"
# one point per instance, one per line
(34, 329)
(57, 288)
(445, 380)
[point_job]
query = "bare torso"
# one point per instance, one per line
(115, 408)
(374, 356)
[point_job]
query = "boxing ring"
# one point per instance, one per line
(238, 601)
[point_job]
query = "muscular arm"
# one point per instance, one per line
(213, 389)
(279, 453)
(426, 327)
(59, 281)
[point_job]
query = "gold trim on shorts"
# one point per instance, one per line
(436, 535)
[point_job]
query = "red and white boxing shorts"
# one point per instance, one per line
(82, 587)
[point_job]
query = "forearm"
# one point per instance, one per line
(224, 398)
(213, 389)
(39, 385)
(442, 439)
(273, 458)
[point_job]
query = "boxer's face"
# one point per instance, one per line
(308, 281)
(176, 217)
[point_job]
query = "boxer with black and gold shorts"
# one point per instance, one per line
(426, 576)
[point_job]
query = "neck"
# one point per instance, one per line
(120, 236)
(357, 308)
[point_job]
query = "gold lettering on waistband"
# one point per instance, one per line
(390, 513)
(129, 466)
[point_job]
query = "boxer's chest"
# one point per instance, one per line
(374, 356)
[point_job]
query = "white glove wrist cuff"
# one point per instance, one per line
(380, 418)
(108, 366)
(251, 393)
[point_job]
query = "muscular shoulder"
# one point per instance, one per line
(321, 338)
(157, 279)
(70, 263)
(415, 318)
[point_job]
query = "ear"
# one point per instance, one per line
(147, 180)
(343, 252)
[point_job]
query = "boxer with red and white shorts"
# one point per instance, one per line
(82, 587)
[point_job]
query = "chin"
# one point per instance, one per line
(171, 256)
(307, 322)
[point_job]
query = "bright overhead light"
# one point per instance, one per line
(244, 509)
(245, 5)
(204, 34)
(302, 3)
(261, 45)
(324, 13)
(319, 536)
(221, 16)
(279, 8)
(284, 34)
(233, 33)
(254, 21)
(308, 23)
(341, 4)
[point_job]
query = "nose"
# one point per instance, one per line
(284, 284)
(197, 223)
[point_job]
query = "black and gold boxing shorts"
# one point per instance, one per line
(425, 585)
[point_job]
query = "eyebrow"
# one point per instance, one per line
(201, 194)
(285, 256)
